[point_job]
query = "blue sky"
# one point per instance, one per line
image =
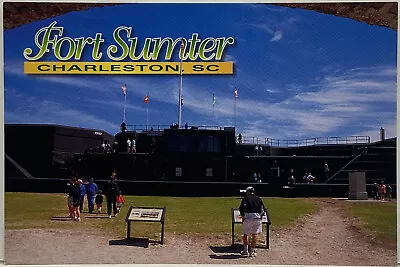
(300, 74)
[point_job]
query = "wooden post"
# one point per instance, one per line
(233, 228)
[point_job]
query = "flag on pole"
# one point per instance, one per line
(213, 99)
(123, 89)
(235, 93)
(181, 101)
(146, 99)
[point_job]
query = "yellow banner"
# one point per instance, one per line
(128, 67)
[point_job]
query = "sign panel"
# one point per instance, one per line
(237, 218)
(145, 214)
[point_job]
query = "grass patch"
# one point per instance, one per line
(183, 215)
(376, 217)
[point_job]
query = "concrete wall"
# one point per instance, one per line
(198, 189)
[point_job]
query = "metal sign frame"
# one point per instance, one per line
(160, 219)
(265, 220)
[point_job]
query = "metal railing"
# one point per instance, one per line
(358, 139)
(138, 127)
(304, 142)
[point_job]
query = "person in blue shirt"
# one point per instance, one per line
(133, 145)
(91, 189)
(82, 194)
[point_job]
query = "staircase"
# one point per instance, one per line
(378, 163)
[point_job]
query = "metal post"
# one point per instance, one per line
(235, 112)
(180, 88)
(124, 108)
(128, 231)
(226, 168)
(162, 232)
(147, 112)
(233, 228)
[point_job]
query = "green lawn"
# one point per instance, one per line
(376, 217)
(183, 215)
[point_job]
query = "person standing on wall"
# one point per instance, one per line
(326, 170)
(111, 191)
(128, 145)
(251, 209)
(133, 145)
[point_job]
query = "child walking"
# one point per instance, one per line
(71, 192)
(120, 201)
(77, 200)
(99, 201)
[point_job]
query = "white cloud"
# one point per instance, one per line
(268, 7)
(356, 101)
(37, 111)
(277, 36)
(338, 103)
(264, 27)
(230, 58)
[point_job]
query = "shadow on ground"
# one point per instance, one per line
(226, 256)
(61, 218)
(226, 252)
(96, 217)
(226, 249)
(137, 242)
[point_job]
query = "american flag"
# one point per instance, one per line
(123, 89)
(235, 93)
(146, 99)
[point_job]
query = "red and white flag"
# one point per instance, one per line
(123, 89)
(146, 99)
(235, 93)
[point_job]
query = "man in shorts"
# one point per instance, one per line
(251, 209)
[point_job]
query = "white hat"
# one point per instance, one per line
(250, 190)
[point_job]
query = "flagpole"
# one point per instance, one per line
(235, 94)
(235, 112)
(213, 105)
(124, 106)
(180, 88)
(147, 115)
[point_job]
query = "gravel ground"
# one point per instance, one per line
(327, 237)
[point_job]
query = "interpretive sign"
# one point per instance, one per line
(237, 218)
(145, 214)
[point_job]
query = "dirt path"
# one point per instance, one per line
(326, 237)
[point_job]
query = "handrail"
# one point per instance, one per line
(341, 169)
(305, 142)
(143, 127)
(335, 140)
